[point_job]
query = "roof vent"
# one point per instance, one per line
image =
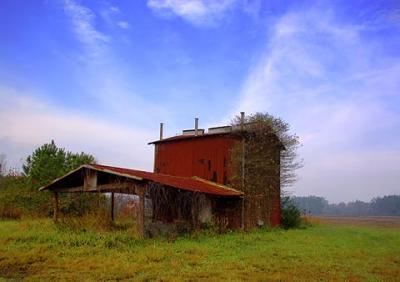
(193, 132)
(219, 129)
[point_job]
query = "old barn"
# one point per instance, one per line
(190, 182)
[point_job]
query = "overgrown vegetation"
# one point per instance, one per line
(19, 195)
(38, 250)
(259, 154)
(263, 162)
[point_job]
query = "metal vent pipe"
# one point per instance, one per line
(161, 130)
(196, 126)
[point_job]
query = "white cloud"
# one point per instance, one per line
(28, 123)
(123, 24)
(114, 9)
(324, 78)
(110, 14)
(83, 22)
(198, 12)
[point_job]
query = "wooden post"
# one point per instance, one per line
(55, 206)
(112, 206)
(141, 215)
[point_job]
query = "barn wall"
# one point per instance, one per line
(276, 211)
(205, 157)
(208, 157)
(275, 219)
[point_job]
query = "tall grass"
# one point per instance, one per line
(41, 250)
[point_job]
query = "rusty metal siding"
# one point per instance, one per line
(203, 157)
(276, 211)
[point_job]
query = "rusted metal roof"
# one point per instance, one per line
(233, 134)
(184, 137)
(195, 184)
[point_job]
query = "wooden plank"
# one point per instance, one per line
(117, 187)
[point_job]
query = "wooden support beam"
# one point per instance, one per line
(55, 206)
(124, 187)
(112, 206)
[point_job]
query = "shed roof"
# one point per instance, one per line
(194, 184)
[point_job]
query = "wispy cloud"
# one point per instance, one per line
(28, 123)
(198, 12)
(83, 22)
(98, 72)
(114, 9)
(112, 15)
(123, 24)
(322, 76)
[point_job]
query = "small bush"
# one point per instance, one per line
(291, 215)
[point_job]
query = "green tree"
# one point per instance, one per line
(19, 194)
(47, 163)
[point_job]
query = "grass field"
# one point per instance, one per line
(38, 250)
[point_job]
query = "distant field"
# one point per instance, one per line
(372, 221)
(334, 249)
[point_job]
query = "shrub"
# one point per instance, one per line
(291, 215)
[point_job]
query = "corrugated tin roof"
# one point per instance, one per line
(195, 184)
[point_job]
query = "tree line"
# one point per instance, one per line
(380, 206)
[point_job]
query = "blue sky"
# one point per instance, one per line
(99, 77)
